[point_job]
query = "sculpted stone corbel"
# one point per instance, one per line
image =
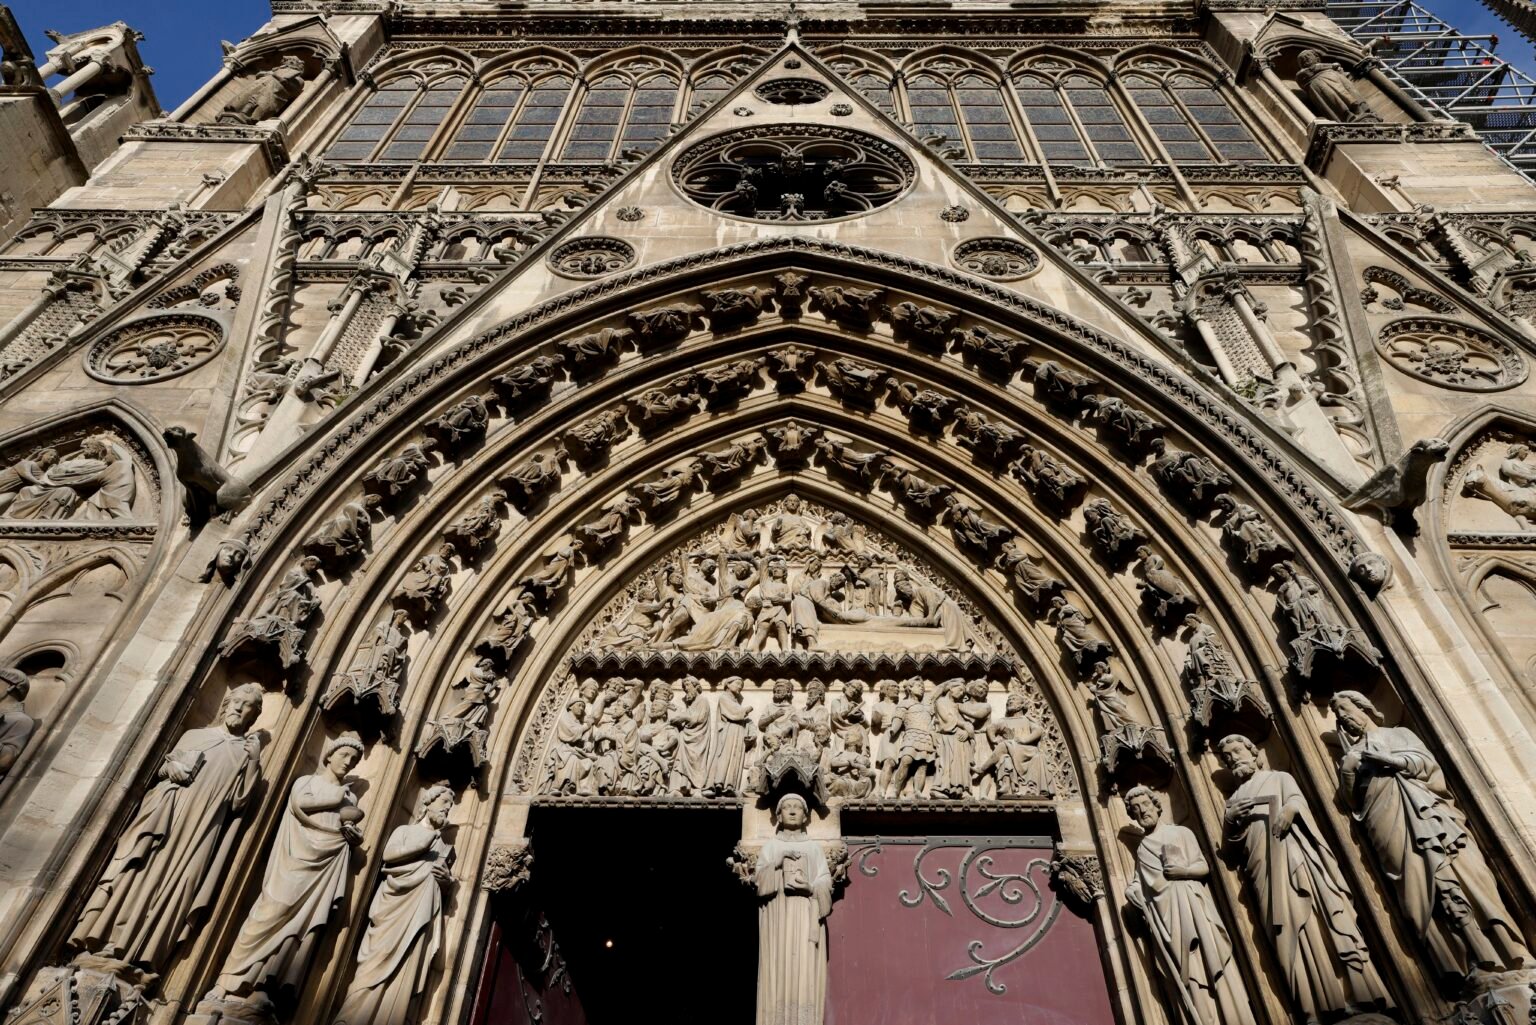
(730, 462)
(1135, 429)
(1079, 876)
(345, 535)
(847, 305)
(1216, 687)
(526, 384)
(480, 526)
(788, 366)
(793, 444)
(999, 354)
(459, 729)
(374, 677)
(927, 326)
(924, 408)
(736, 307)
(854, 382)
(610, 525)
(590, 440)
(1030, 578)
(663, 325)
(229, 561)
(1193, 478)
(395, 474)
(1056, 384)
(507, 867)
(990, 440)
(589, 353)
(1166, 596)
(789, 290)
(1086, 649)
(1316, 624)
(536, 476)
(461, 424)
(1125, 735)
(1048, 477)
(283, 618)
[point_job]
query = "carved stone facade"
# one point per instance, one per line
(1044, 497)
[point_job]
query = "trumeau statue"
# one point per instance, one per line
(265, 94)
(16, 725)
(1190, 946)
(1395, 789)
(1297, 888)
(308, 867)
(405, 921)
(283, 618)
(794, 890)
(172, 856)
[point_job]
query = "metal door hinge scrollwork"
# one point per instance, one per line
(976, 879)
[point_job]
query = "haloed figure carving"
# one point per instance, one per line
(171, 858)
(1299, 892)
(306, 876)
(1190, 946)
(794, 886)
(405, 921)
(1396, 791)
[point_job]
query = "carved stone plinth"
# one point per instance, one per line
(91, 991)
(256, 1009)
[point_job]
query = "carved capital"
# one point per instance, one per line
(1079, 877)
(507, 867)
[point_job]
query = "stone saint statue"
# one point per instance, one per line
(405, 921)
(794, 888)
(265, 94)
(1190, 945)
(1298, 890)
(1396, 791)
(16, 725)
(172, 858)
(1329, 88)
(307, 871)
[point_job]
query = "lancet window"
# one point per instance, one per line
(622, 110)
(1192, 120)
(399, 120)
(1074, 119)
(967, 108)
(512, 120)
(872, 83)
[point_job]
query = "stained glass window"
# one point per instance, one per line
(511, 120)
(618, 114)
(1192, 120)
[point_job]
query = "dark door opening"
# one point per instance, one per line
(629, 915)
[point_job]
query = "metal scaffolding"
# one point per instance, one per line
(1455, 74)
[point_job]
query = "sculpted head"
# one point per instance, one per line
(1015, 704)
(915, 689)
(45, 457)
(433, 806)
(292, 64)
(792, 812)
(240, 707)
(1307, 58)
(1515, 451)
(890, 690)
(792, 504)
(1144, 807)
(577, 707)
(783, 690)
(691, 687)
(590, 689)
(1239, 754)
(734, 684)
(778, 570)
(822, 731)
(342, 754)
(1354, 713)
(853, 690)
(904, 584)
(815, 692)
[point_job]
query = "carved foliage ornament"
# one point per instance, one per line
(1451, 354)
(592, 257)
(1001, 259)
(793, 173)
(155, 348)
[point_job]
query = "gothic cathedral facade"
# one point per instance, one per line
(862, 513)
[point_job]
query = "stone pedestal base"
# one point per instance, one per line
(256, 1009)
(91, 991)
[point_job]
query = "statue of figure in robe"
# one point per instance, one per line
(306, 877)
(171, 859)
(794, 888)
(1299, 892)
(1396, 791)
(1189, 944)
(405, 921)
(16, 725)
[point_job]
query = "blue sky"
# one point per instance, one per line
(182, 36)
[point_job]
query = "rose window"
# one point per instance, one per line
(793, 173)
(1001, 259)
(154, 349)
(1451, 354)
